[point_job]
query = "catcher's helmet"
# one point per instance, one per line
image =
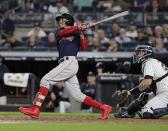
(70, 19)
(148, 52)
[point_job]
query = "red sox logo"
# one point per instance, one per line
(70, 38)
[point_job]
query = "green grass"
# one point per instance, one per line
(81, 127)
(58, 114)
(63, 126)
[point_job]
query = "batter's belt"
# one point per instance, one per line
(64, 58)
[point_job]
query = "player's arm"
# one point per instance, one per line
(144, 84)
(70, 30)
(67, 31)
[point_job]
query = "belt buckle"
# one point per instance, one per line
(63, 59)
(66, 58)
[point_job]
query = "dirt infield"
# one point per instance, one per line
(77, 119)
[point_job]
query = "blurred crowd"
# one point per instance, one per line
(115, 37)
(65, 6)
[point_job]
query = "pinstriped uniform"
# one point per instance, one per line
(156, 69)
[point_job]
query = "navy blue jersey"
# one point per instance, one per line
(68, 46)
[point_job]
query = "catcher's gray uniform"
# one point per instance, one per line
(156, 69)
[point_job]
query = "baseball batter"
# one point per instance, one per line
(149, 105)
(69, 40)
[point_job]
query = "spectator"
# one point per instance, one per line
(126, 67)
(33, 41)
(149, 30)
(89, 88)
(141, 37)
(154, 9)
(26, 11)
(141, 3)
(151, 40)
(115, 29)
(113, 47)
(122, 38)
(59, 98)
(97, 46)
(11, 42)
(99, 68)
(37, 30)
(6, 25)
(102, 38)
(51, 42)
(58, 8)
(159, 32)
(105, 5)
(165, 33)
(3, 69)
(90, 38)
(159, 47)
(132, 32)
(123, 4)
(139, 6)
(117, 6)
(28, 7)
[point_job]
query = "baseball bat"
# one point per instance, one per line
(124, 13)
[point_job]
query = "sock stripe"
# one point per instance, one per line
(41, 97)
(38, 104)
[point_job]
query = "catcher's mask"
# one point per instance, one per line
(68, 17)
(148, 52)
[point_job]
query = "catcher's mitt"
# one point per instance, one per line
(120, 97)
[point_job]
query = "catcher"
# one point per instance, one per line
(147, 105)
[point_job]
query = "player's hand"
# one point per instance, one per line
(121, 96)
(85, 26)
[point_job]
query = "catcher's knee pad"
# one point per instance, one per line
(147, 113)
(137, 104)
(123, 113)
(143, 98)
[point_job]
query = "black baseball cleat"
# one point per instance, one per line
(123, 113)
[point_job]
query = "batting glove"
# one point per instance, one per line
(85, 26)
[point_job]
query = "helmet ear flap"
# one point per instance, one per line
(70, 19)
(69, 23)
